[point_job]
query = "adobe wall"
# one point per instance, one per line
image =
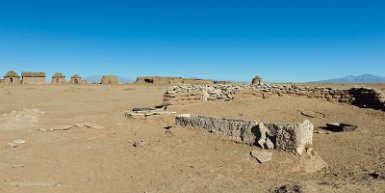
(33, 80)
(8, 81)
(186, 94)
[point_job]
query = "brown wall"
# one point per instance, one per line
(7, 81)
(57, 80)
(109, 80)
(33, 80)
(75, 81)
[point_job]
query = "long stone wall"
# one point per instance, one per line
(295, 138)
(171, 80)
(186, 94)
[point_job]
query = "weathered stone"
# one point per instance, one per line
(286, 137)
(93, 126)
(19, 141)
(288, 188)
(239, 130)
(61, 128)
(11, 145)
(264, 141)
(262, 155)
(138, 143)
(294, 138)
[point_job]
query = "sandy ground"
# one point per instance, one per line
(90, 160)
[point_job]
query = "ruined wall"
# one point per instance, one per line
(58, 80)
(171, 80)
(158, 80)
(76, 80)
(186, 94)
(109, 79)
(11, 81)
(197, 81)
(33, 80)
(182, 98)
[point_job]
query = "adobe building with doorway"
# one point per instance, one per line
(58, 78)
(76, 79)
(11, 78)
(34, 78)
(109, 79)
(257, 80)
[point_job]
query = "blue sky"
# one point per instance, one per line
(280, 40)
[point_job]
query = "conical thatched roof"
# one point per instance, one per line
(257, 77)
(11, 73)
(75, 76)
(58, 75)
(33, 74)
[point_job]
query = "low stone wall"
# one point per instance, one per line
(171, 80)
(186, 94)
(182, 98)
(295, 138)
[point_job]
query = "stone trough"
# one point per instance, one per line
(295, 138)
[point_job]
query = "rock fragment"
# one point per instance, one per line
(262, 155)
(138, 143)
(93, 126)
(11, 145)
(61, 128)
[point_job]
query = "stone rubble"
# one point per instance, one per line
(77, 125)
(15, 143)
(186, 93)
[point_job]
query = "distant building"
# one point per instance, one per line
(109, 79)
(257, 80)
(11, 78)
(58, 78)
(76, 79)
(33, 78)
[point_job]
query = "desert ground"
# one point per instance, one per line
(99, 160)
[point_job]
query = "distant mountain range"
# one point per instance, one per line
(98, 78)
(366, 78)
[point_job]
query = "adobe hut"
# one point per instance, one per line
(58, 78)
(11, 78)
(33, 78)
(76, 79)
(109, 79)
(257, 80)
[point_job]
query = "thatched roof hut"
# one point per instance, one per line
(33, 74)
(75, 79)
(33, 77)
(58, 78)
(11, 74)
(58, 75)
(109, 79)
(11, 78)
(257, 80)
(75, 76)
